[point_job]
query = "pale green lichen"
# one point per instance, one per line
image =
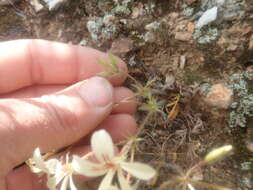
(242, 107)
(205, 37)
(188, 11)
(121, 10)
(247, 166)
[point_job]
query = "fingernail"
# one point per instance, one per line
(97, 92)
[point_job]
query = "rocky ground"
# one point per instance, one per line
(202, 64)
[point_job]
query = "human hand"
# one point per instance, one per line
(39, 108)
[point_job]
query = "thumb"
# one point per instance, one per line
(53, 121)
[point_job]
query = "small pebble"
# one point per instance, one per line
(219, 96)
(121, 46)
(183, 36)
(251, 43)
(83, 43)
(36, 5)
(169, 81)
(182, 62)
(132, 62)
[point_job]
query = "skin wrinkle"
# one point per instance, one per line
(10, 154)
(68, 120)
(62, 118)
(77, 63)
(23, 131)
(51, 112)
(35, 91)
(52, 116)
(3, 86)
(41, 128)
(50, 120)
(36, 74)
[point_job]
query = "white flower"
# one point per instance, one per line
(55, 170)
(109, 164)
(63, 174)
(38, 164)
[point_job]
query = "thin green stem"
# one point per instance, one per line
(142, 125)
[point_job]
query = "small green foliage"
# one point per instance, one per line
(242, 107)
(151, 105)
(146, 95)
(143, 91)
(112, 67)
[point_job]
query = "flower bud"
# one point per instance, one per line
(218, 154)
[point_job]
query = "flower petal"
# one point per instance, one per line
(71, 183)
(51, 183)
(35, 170)
(139, 170)
(59, 173)
(37, 155)
(107, 180)
(87, 168)
(64, 183)
(123, 182)
(190, 186)
(102, 146)
(39, 160)
(113, 187)
(52, 165)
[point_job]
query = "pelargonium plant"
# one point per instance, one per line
(106, 161)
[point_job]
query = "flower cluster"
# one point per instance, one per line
(107, 162)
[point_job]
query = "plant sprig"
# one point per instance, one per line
(112, 66)
(185, 179)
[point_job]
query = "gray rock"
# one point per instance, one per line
(227, 9)
(54, 4)
(207, 17)
(36, 5)
(183, 36)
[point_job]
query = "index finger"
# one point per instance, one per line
(27, 62)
